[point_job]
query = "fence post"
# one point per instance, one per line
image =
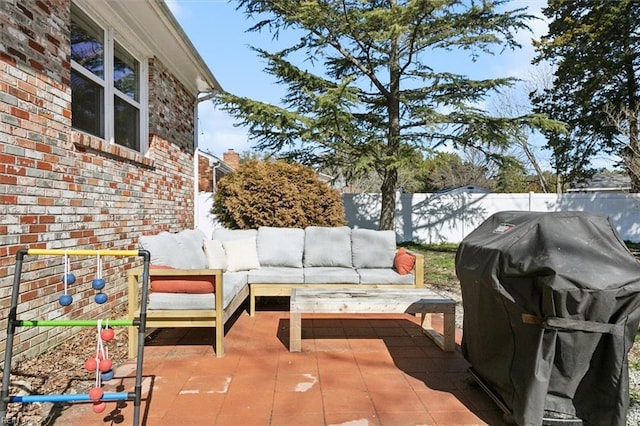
(530, 199)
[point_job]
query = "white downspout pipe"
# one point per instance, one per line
(196, 173)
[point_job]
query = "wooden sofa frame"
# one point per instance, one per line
(161, 318)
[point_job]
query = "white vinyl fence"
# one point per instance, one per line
(433, 218)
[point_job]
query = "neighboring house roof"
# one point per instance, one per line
(603, 183)
(152, 24)
(215, 161)
(325, 177)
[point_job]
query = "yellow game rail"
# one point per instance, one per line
(77, 252)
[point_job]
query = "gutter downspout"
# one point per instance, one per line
(215, 166)
(208, 96)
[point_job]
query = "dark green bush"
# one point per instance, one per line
(281, 194)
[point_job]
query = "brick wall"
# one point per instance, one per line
(232, 158)
(64, 189)
(205, 175)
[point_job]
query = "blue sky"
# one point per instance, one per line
(219, 34)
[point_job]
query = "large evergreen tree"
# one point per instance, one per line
(595, 46)
(374, 94)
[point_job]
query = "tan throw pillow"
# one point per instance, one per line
(242, 254)
(214, 252)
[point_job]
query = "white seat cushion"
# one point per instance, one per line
(384, 276)
(233, 282)
(179, 301)
(331, 275)
(276, 275)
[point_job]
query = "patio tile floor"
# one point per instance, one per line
(357, 370)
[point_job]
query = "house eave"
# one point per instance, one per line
(152, 29)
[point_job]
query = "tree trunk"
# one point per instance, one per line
(390, 181)
(388, 211)
(558, 184)
(536, 166)
(631, 153)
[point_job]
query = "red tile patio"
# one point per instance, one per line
(356, 370)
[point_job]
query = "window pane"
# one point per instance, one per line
(126, 120)
(126, 72)
(86, 105)
(87, 44)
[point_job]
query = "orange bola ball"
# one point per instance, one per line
(105, 365)
(95, 394)
(99, 406)
(91, 364)
(107, 334)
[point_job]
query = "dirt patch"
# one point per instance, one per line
(59, 371)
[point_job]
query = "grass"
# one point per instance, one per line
(439, 264)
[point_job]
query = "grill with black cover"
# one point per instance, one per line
(550, 313)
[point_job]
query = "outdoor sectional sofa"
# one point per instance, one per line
(189, 270)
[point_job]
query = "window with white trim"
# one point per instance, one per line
(107, 85)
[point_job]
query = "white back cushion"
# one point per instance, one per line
(280, 246)
(372, 248)
(181, 251)
(327, 246)
(224, 234)
(162, 247)
(191, 254)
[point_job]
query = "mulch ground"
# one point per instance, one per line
(59, 371)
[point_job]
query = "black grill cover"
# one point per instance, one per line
(550, 313)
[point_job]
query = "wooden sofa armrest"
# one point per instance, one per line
(134, 303)
(418, 269)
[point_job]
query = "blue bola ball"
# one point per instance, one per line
(107, 375)
(98, 283)
(70, 278)
(101, 298)
(65, 300)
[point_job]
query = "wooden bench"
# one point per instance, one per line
(373, 301)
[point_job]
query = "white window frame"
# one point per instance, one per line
(109, 37)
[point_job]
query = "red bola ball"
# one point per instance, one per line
(99, 407)
(91, 364)
(95, 394)
(107, 334)
(105, 365)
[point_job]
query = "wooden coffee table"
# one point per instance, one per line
(374, 301)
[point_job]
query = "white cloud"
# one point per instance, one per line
(518, 62)
(217, 133)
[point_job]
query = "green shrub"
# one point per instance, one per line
(276, 194)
